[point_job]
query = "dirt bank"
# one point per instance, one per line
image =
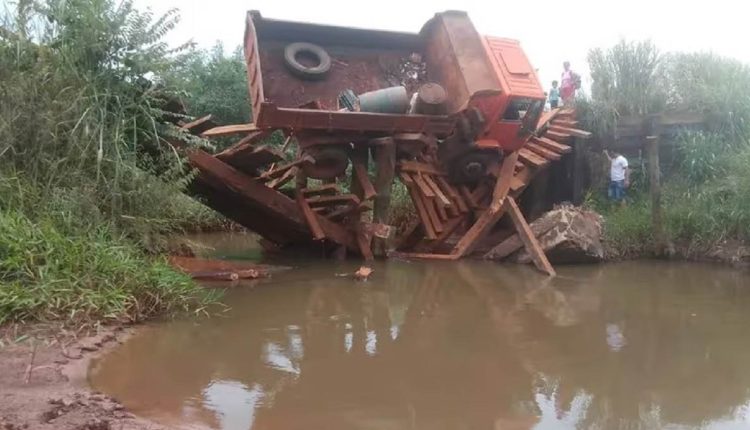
(50, 390)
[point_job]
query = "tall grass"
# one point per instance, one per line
(86, 180)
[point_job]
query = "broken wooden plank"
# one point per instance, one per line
(528, 238)
(452, 194)
(227, 130)
(531, 159)
(514, 242)
(552, 145)
(423, 187)
(199, 125)
(283, 179)
(279, 171)
(468, 197)
(441, 198)
(326, 189)
(429, 204)
(311, 218)
(421, 256)
(253, 159)
(363, 178)
(569, 131)
(333, 200)
(564, 122)
(547, 117)
(274, 205)
(560, 137)
(542, 152)
(417, 167)
(502, 186)
(419, 205)
(243, 146)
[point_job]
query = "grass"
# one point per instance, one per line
(89, 189)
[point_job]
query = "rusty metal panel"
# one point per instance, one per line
(302, 119)
(457, 59)
(361, 60)
(514, 69)
(252, 61)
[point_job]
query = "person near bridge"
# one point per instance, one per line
(619, 176)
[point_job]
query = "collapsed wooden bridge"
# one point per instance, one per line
(468, 144)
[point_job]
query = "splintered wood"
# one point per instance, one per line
(251, 182)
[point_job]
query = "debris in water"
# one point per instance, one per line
(363, 273)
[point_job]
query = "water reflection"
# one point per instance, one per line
(453, 346)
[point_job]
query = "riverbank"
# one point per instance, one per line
(43, 382)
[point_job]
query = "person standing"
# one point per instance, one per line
(619, 176)
(554, 96)
(570, 82)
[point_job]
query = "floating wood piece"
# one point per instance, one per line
(421, 256)
(560, 137)
(531, 159)
(333, 200)
(542, 152)
(228, 130)
(552, 145)
(283, 179)
(275, 173)
(310, 217)
(363, 178)
(419, 205)
(199, 125)
(569, 131)
(326, 189)
(417, 167)
(528, 238)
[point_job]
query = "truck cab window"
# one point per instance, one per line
(517, 109)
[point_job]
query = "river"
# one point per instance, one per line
(450, 345)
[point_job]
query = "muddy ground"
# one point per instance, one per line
(50, 391)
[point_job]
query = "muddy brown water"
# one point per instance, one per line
(452, 345)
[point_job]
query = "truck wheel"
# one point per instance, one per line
(315, 53)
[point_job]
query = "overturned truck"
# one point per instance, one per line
(457, 117)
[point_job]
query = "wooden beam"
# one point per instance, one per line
(310, 217)
(423, 187)
(569, 131)
(364, 180)
(448, 229)
(199, 125)
(364, 241)
(560, 137)
(416, 198)
(552, 145)
(417, 167)
(440, 197)
(273, 203)
(531, 159)
(347, 211)
(275, 173)
(227, 130)
(542, 152)
(244, 145)
(333, 200)
(252, 159)
(528, 238)
(490, 216)
(283, 179)
(453, 194)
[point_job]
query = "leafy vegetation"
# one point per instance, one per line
(706, 177)
(87, 183)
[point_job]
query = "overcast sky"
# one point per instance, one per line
(550, 31)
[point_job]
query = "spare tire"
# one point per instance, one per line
(319, 71)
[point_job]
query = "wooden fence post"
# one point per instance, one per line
(652, 143)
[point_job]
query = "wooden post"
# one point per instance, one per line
(579, 166)
(385, 164)
(527, 237)
(652, 143)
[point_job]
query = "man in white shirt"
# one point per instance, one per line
(619, 176)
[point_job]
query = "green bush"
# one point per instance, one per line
(48, 273)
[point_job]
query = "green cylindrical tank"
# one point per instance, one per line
(387, 100)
